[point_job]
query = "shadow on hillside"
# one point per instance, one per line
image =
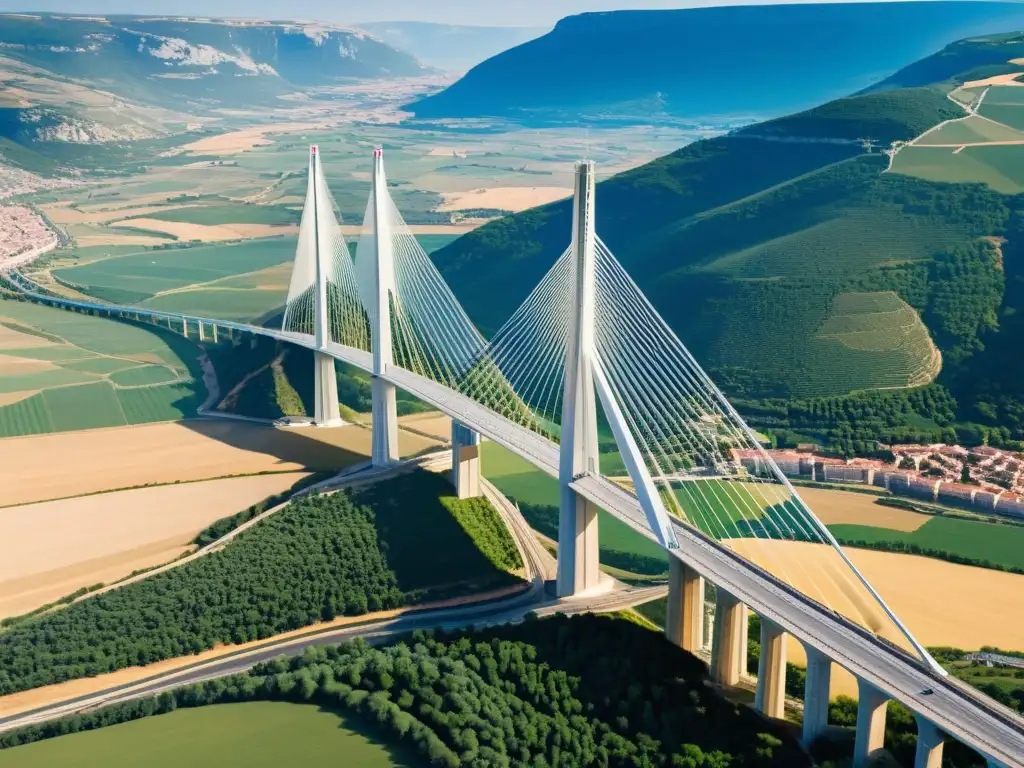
(307, 447)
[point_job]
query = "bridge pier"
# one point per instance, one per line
(684, 621)
(871, 710)
(578, 558)
(325, 392)
(215, 334)
(384, 423)
(184, 327)
(729, 642)
(929, 744)
(816, 694)
(770, 698)
(202, 336)
(465, 461)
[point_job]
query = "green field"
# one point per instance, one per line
(143, 376)
(146, 273)
(515, 477)
(997, 543)
(972, 130)
(1011, 115)
(247, 735)
(1000, 167)
(91, 359)
(229, 214)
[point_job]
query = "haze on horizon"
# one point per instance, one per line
(471, 12)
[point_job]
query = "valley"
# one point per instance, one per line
(841, 252)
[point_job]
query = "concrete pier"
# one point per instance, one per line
(929, 744)
(684, 622)
(770, 698)
(816, 694)
(729, 643)
(871, 706)
(325, 392)
(465, 461)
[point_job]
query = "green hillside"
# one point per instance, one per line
(801, 274)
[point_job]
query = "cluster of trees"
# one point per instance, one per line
(225, 525)
(855, 424)
(317, 559)
(484, 526)
(582, 691)
(322, 556)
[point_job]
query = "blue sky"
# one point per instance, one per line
(478, 12)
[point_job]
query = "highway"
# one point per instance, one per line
(964, 713)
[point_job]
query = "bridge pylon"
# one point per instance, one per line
(385, 412)
(326, 412)
(577, 519)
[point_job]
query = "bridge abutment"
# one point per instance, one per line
(930, 744)
(770, 698)
(325, 392)
(465, 461)
(729, 641)
(871, 710)
(816, 694)
(684, 620)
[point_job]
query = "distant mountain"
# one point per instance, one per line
(198, 64)
(743, 60)
(822, 292)
(962, 61)
(450, 47)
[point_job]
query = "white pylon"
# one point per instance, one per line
(577, 519)
(326, 411)
(385, 412)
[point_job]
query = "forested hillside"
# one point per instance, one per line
(343, 554)
(822, 292)
(582, 691)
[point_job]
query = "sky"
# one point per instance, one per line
(531, 13)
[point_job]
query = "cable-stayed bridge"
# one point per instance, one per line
(589, 384)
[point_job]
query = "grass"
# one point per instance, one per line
(249, 734)
(1001, 544)
(143, 376)
(78, 393)
(973, 130)
(89, 406)
(147, 273)
(223, 304)
(1011, 115)
(229, 214)
(1001, 168)
(539, 496)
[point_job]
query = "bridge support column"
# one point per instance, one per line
(871, 707)
(929, 745)
(325, 392)
(816, 694)
(729, 642)
(684, 622)
(770, 698)
(465, 461)
(184, 327)
(577, 519)
(202, 336)
(214, 334)
(385, 411)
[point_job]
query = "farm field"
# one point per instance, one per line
(922, 591)
(998, 543)
(621, 546)
(62, 371)
(973, 130)
(251, 734)
(105, 537)
(1000, 167)
(126, 457)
